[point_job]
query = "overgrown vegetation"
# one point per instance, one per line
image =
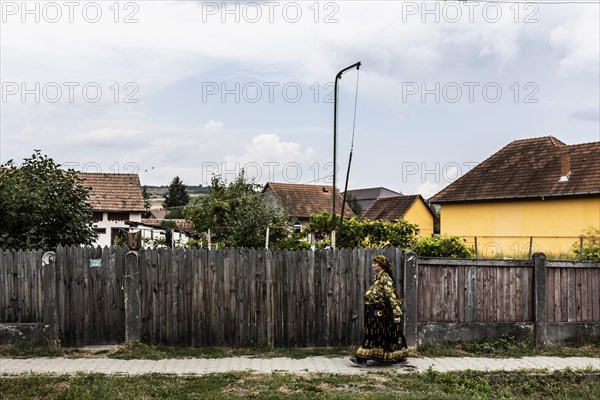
(509, 347)
(236, 214)
(363, 233)
(443, 246)
(506, 346)
(385, 385)
(43, 206)
(591, 246)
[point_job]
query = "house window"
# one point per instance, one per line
(118, 216)
(100, 231)
(298, 227)
(97, 216)
(115, 233)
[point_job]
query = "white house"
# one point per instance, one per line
(115, 199)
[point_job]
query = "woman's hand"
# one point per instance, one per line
(398, 320)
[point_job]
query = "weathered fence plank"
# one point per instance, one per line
(254, 297)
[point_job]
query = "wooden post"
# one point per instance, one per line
(208, 239)
(270, 309)
(133, 323)
(539, 263)
(49, 311)
(476, 253)
(267, 239)
(333, 239)
(410, 297)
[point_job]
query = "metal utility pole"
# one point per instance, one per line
(335, 102)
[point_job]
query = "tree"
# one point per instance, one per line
(237, 214)
(42, 206)
(354, 204)
(146, 197)
(177, 195)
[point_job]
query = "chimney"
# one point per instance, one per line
(565, 166)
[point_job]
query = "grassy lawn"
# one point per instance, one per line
(430, 385)
(504, 347)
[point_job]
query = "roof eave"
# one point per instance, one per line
(516, 197)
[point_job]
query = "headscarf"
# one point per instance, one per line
(384, 263)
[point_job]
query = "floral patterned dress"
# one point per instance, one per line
(383, 339)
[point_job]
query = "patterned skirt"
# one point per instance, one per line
(383, 339)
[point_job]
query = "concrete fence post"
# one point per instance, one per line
(410, 298)
(131, 287)
(49, 307)
(539, 264)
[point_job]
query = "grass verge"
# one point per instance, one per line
(507, 346)
(501, 348)
(430, 385)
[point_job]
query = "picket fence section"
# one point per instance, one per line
(257, 297)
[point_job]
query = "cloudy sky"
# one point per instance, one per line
(190, 88)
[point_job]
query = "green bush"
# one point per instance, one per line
(589, 253)
(363, 233)
(443, 246)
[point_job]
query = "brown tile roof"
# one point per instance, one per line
(390, 208)
(158, 213)
(529, 168)
(114, 192)
(303, 200)
(182, 224)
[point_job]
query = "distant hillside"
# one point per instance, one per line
(160, 191)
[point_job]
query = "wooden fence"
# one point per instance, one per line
(245, 297)
(475, 291)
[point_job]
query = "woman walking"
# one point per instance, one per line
(383, 339)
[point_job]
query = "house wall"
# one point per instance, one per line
(506, 228)
(149, 234)
(419, 214)
(104, 239)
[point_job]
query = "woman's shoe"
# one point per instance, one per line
(359, 362)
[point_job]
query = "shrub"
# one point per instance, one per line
(443, 246)
(589, 253)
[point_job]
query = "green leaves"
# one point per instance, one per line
(42, 206)
(364, 233)
(443, 246)
(237, 214)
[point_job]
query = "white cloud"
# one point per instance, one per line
(577, 43)
(267, 158)
(213, 125)
(428, 189)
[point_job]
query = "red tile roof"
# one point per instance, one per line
(390, 208)
(301, 201)
(158, 213)
(114, 192)
(529, 168)
(182, 224)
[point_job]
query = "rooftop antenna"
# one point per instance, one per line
(335, 102)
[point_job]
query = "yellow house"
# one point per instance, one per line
(412, 209)
(533, 195)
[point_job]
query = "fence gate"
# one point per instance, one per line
(89, 295)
